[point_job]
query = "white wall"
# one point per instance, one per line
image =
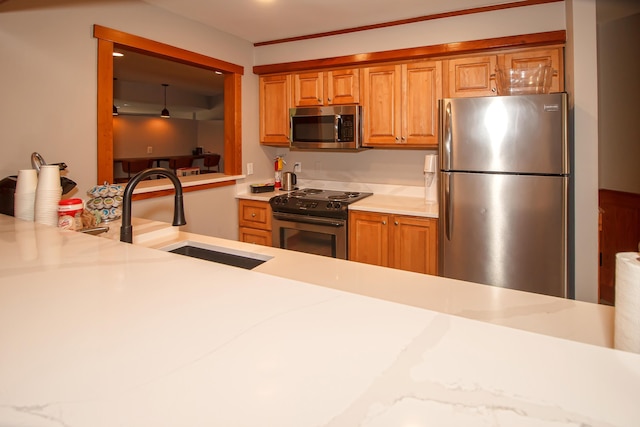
(582, 85)
(48, 84)
(133, 135)
(619, 109)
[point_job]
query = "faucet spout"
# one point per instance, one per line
(126, 230)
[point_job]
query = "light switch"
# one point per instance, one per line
(149, 149)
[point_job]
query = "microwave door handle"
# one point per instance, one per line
(337, 121)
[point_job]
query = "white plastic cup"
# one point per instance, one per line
(49, 177)
(27, 181)
(46, 205)
(24, 206)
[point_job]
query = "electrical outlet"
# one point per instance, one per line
(297, 167)
(249, 168)
(149, 149)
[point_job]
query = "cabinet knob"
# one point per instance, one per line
(320, 100)
(384, 222)
(397, 139)
(253, 215)
(328, 99)
(395, 222)
(403, 138)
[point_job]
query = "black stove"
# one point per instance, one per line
(316, 202)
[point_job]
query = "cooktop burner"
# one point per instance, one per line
(315, 201)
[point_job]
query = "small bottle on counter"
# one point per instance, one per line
(70, 214)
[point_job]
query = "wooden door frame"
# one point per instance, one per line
(108, 39)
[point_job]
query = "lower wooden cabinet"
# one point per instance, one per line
(254, 219)
(397, 241)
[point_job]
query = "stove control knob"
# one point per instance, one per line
(333, 205)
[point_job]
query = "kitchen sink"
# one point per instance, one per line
(233, 257)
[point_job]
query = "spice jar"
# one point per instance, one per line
(70, 214)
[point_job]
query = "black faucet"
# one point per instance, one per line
(126, 230)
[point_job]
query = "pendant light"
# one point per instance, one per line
(165, 112)
(115, 109)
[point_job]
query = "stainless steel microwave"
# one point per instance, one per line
(320, 128)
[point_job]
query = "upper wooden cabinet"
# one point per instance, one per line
(336, 87)
(400, 99)
(532, 57)
(475, 75)
(275, 101)
(471, 76)
(400, 104)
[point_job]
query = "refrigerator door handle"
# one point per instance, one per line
(448, 124)
(448, 214)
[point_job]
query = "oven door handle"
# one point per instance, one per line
(308, 220)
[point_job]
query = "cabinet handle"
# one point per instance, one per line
(384, 222)
(328, 99)
(397, 139)
(403, 138)
(320, 100)
(395, 222)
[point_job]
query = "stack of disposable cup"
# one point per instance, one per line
(25, 195)
(48, 194)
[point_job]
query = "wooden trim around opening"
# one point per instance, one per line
(434, 51)
(107, 40)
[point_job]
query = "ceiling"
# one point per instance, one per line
(265, 20)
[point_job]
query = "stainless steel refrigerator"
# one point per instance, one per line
(504, 191)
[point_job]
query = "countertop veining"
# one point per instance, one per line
(98, 332)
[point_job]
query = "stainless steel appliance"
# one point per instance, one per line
(289, 181)
(313, 220)
(504, 183)
(334, 128)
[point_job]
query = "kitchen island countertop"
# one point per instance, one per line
(98, 332)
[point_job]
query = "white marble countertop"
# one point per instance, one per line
(151, 185)
(391, 199)
(101, 333)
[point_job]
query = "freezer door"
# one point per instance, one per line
(514, 134)
(505, 230)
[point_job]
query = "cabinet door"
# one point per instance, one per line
(343, 87)
(422, 87)
(308, 89)
(369, 238)
(382, 105)
(254, 214)
(253, 235)
(275, 100)
(471, 76)
(414, 244)
(534, 57)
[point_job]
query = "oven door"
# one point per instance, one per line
(310, 234)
